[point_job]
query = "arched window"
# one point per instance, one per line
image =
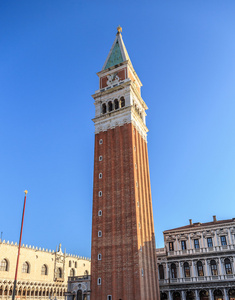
(59, 273)
(44, 270)
(173, 271)
(231, 293)
(161, 271)
(110, 106)
(104, 108)
(186, 269)
(122, 102)
(116, 104)
(25, 267)
(218, 295)
(4, 265)
(214, 271)
(200, 268)
(72, 272)
(204, 295)
(86, 273)
(176, 296)
(227, 265)
(76, 264)
(70, 263)
(190, 295)
(163, 296)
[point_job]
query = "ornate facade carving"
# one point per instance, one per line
(202, 278)
(38, 283)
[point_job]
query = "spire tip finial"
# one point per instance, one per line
(26, 192)
(119, 29)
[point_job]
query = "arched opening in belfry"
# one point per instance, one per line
(116, 104)
(110, 106)
(122, 102)
(104, 108)
(79, 295)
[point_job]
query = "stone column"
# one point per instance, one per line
(194, 270)
(190, 243)
(177, 248)
(232, 261)
(197, 297)
(166, 271)
(180, 271)
(202, 244)
(183, 296)
(216, 241)
(220, 267)
(229, 237)
(7, 292)
(206, 266)
(211, 294)
(170, 295)
(226, 294)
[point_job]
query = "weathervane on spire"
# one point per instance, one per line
(119, 29)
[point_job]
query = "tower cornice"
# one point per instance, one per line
(117, 67)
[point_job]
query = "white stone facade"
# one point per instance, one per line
(198, 261)
(42, 273)
(79, 288)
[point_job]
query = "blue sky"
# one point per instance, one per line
(50, 51)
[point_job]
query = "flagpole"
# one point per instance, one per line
(21, 230)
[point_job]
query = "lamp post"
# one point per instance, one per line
(18, 256)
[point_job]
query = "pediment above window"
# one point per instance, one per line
(182, 237)
(233, 230)
(208, 233)
(170, 238)
(195, 236)
(220, 232)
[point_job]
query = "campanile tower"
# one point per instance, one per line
(123, 260)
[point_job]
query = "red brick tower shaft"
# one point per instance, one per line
(123, 260)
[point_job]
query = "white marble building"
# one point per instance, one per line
(198, 261)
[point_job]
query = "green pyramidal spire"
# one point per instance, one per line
(118, 52)
(115, 57)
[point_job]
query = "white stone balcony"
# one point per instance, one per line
(196, 279)
(201, 250)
